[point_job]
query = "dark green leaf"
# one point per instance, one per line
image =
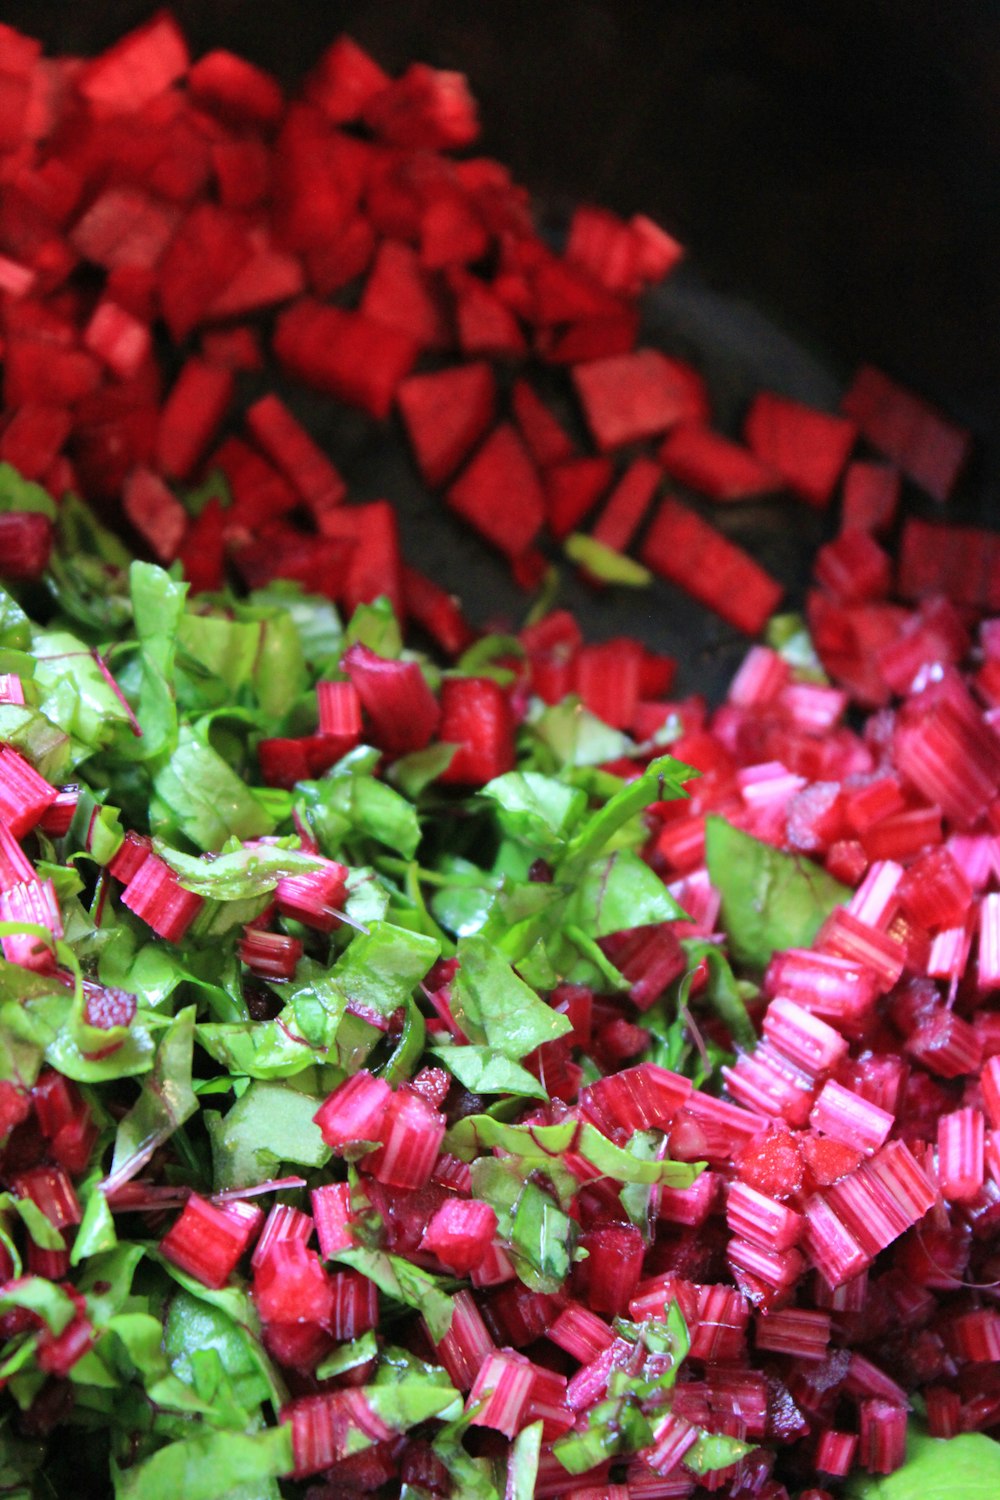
(491, 1003)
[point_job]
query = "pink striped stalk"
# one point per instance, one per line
(847, 1117)
(778, 1269)
(696, 895)
(948, 757)
(811, 706)
(599, 1492)
(411, 1132)
(691, 1205)
(15, 866)
(155, 895)
(355, 1305)
(713, 1130)
(613, 1266)
(282, 1223)
(768, 1083)
(315, 899)
(400, 706)
(339, 709)
(835, 1452)
(904, 835)
(331, 1206)
(934, 891)
(548, 1404)
(882, 1446)
(850, 1297)
(844, 936)
(646, 1097)
(672, 1438)
(460, 1233)
(806, 1040)
(680, 844)
(992, 1154)
(830, 1245)
(207, 1241)
(495, 1268)
(865, 1380)
(24, 794)
(645, 1484)
(741, 1395)
(719, 1330)
(988, 958)
(973, 855)
(768, 784)
(878, 1077)
(552, 1479)
(57, 817)
(840, 990)
(325, 1428)
(762, 1220)
(290, 1286)
(801, 1332)
(989, 1082)
(453, 1174)
(501, 1392)
(944, 1411)
(580, 1332)
(518, 1315)
(58, 1353)
(946, 1045)
(52, 1264)
(269, 955)
(52, 1192)
(961, 1139)
(353, 1112)
(11, 690)
(759, 678)
(949, 953)
(467, 1344)
(130, 856)
(35, 902)
(975, 1337)
(876, 900)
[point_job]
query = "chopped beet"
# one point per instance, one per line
(446, 413)
(634, 396)
(713, 465)
(687, 551)
(500, 494)
(808, 448)
(928, 447)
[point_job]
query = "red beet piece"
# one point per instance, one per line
(191, 415)
(209, 249)
(572, 488)
(25, 545)
(125, 227)
(374, 567)
(485, 326)
(242, 170)
(607, 679)
(853, 567)
(871, 496)
(158, 517)
(119, 339)
(713, 465)
(235, 90)
(208, 1241)
(808, 448)
(928, 447)
(634, 396)
(400, 294)
(401, 708)
(436, 611)
(452, 233)
(290, 448)
(627, 505)
(687, 551)
(344, 80)
(499, 493)
(32, 439)
(460, 1233)
(476, 716)
(344, 354)
(445, 415)
(137, 68)
(544, 437)
(268, 276)
(426, 107)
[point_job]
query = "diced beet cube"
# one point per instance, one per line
(544, 437)
(208, 1241)
(354, 1111)
(344, 354)
(374, 566)
(572, 488)
(460, 1233)
(633, 396)
(476, 716)
(235, 90)
(606, 247)
(331, 1206)
(290, 1284)
(411, 1132)
(119, 339)
(501, 1391)
(687, 551)
(156, 895)
(208, 250)
(267, 276)
(25, 545)
(612, 1268)
(484, 324)
(436, 611)
(607, 679)
(853, 567)
(344, 80)
(157, 515)
(713, 465)
(451, 233)
(316, 898)
(137, 68)
(930, 449)
(191, 415)
(627, 505)
(399, 294)
(425, 107)
(445, 414)
(290, 448)
(657, 251)
(808, 448)
(499, 493)
(30, 443)
(871, 497)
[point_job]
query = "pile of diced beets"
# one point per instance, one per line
(842, 1250)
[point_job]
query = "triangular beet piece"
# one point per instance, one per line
(571, 489)
(500, 493)
(445, 415)
(344, 80)
(630, 397)
(399, 294)
(485, 325)
(451, 232)
(544, 437)
(596, 338)
(808, 448)
(713, 465)
(343, 354)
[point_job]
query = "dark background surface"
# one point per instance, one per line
(833, 168)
